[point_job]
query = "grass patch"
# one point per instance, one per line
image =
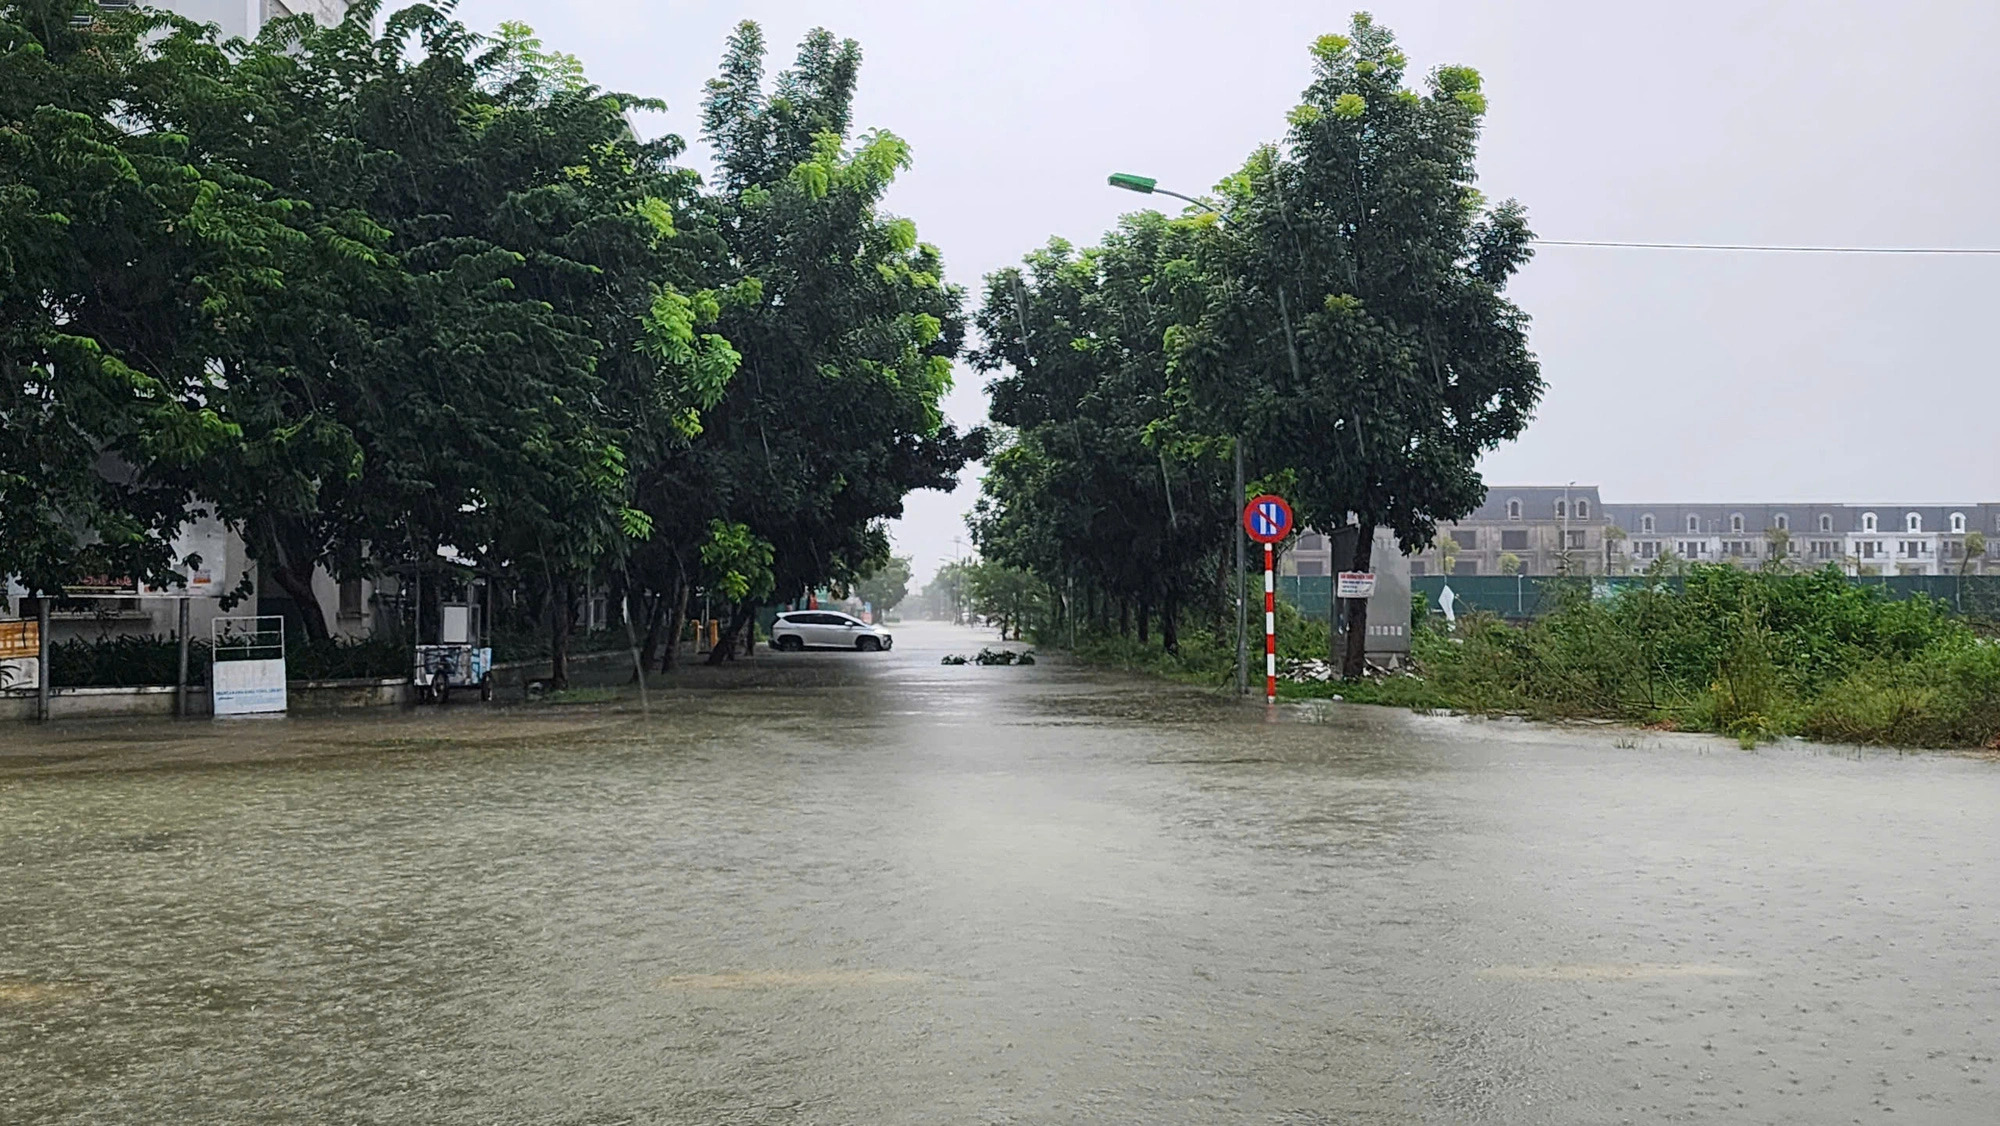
(1749, 655)
(1752, 656)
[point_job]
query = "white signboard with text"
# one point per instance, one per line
(1355, 584)
(248, 676)
(249, 687)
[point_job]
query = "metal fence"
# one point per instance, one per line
(1526, 596)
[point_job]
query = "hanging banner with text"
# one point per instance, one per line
(20, 653)
(1355, 584)
(201, 552)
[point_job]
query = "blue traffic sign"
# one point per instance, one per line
(1268, 519)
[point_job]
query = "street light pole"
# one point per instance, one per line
(1565, 527)
(1242, 605)
(1146, 185)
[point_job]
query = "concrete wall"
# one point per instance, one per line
(302, 696)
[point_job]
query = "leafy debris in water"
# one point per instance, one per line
(990, 657)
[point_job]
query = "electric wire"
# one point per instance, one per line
(1768, 249)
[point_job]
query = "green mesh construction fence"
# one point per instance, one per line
(1525, 596)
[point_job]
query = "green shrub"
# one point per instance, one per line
(1949, 696)
(338, 658)
(1740, 653)
(114, 662)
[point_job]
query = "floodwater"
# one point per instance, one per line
(845, 888)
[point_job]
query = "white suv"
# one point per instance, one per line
(827, 629)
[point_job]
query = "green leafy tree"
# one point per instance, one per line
(1975, 547)
(848, 338)
(1009, 596)
(1358, 334)
(1447, 549)
(885, 585)
(1092, 486)
(489, 319)
(121, 250)
(944, 597)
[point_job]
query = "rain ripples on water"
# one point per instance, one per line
(845, 888)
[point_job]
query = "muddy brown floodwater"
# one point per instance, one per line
(847, 888)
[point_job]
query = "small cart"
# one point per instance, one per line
(439, 668)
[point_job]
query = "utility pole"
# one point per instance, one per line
(181, 679)
(42, 657)
(1242, 604)
(1564, 553)
(1146, 185)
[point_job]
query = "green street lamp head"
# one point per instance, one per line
(1144, 185)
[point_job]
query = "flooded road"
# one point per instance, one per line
(845, 888)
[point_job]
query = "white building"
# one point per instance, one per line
(243, 18)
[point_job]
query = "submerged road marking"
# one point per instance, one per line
(778, 979)
(1610, 971)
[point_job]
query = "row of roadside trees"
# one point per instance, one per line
(1334, 315)
(376, 290)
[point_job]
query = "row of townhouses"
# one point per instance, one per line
(1548, 530)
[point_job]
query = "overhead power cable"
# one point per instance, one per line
(1769, 249)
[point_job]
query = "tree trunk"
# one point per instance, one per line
(562, 622)
(1356, 659)
(615, 605)
(300, 587)
(1124, 617)
(1170, 629)
(1145, 618)
(286, 551)
(656, 611)
(677, 605)
(431, 610)
(725, 649)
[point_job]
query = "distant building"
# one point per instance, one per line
(1555, 529)
(1861, 539)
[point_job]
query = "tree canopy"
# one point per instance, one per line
(390, 290)
(1337, 313)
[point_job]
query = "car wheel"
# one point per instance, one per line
(869, 645)
(790, 644)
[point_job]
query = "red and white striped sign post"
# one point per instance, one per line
(1268, 519)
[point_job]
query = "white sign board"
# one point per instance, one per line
(1354, 584)
(206, 541)
(248, 673)
(248, 687)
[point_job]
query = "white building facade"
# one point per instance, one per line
(1547, 530)
(242, 18)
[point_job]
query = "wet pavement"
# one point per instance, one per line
(845, 888)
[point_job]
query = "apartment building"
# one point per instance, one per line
(1547, 530)
(1862, 539)
(1526, 530)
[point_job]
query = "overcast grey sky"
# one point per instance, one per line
(1673, 375)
